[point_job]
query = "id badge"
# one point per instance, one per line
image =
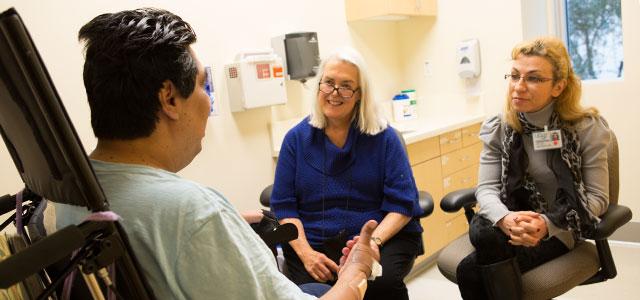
(548, 139)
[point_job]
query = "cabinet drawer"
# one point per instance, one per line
(456, 227)
(460, 159)
(463, 179)
(470, 135)
(471, 155)
(450, 141)
(452, 162)
(423, 150)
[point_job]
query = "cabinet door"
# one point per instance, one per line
(423, 150)
(413, 7)
(429, 178)
(388, 9)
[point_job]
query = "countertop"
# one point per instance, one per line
(412, 130)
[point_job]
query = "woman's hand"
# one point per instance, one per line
(529, 231)
(524, 228)
(318, 265)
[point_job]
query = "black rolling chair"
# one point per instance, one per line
(51, 161)
(585, 264)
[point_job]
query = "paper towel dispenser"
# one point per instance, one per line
(300, 50)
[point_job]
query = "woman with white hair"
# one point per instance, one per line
(338, 168)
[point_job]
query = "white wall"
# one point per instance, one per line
(236, 157)
(436, 40)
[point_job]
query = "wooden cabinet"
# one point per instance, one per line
(470, 135)
(450, 141)
(440, 165)
(388, 9)
(423, 150)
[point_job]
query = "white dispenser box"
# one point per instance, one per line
(405, 106)
(255, 79)
(468, 56)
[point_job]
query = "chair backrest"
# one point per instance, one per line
(404, 144)
(614, 171)
(35, 126)
(48, 155)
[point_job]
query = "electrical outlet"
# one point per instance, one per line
(427, 69)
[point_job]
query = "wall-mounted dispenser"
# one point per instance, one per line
(255, 79)
(300, 50)
(469, 59)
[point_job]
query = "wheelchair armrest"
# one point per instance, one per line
(456, 200)
(614, 218)
(31, 260)
(425, 200)
(265, 196)
(281, 234)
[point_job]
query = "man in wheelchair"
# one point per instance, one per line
(149, 110)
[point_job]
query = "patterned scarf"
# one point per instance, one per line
(519, 190)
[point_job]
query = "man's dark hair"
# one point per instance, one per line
(128, 55)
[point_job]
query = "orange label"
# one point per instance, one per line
(277, 71)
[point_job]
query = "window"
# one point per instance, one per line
(593, 32)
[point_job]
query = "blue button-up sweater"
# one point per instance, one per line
(330, 188)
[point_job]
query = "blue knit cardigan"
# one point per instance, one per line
(330, 188)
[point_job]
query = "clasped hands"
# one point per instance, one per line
(524, 228)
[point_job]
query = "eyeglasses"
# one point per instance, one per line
(532, 79)
(343, 91)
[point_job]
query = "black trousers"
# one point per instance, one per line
(491, 247)
(396, 257)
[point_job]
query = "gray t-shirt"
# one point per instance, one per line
(594, 136)
(190, 241)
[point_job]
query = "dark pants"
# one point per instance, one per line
(315, 289)
(491, 247)
(396, 257)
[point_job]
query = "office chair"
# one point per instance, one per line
(52, 164)
(585, 264)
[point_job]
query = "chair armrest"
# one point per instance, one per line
(425, 200)
(456, 200)
(614, 218)
(265, 196)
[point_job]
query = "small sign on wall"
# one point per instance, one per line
(208, 85)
